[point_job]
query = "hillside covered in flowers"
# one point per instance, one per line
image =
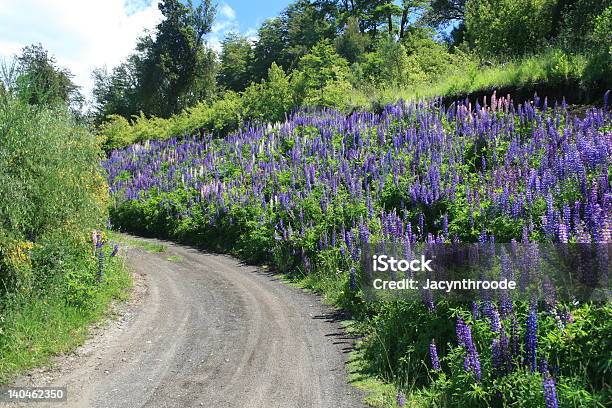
(306, 195)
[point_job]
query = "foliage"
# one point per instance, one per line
(270, 99)
(352, 43)
(308, 194)
(507, 27)
(170, 70)
(35, 78)
(466, 75)
(116, 93)
(49, 291)
(236, 55)
(322, 77)
(578, 19)
(44, 153)
(599, 68)
(34, 327)
(442, 13)
(388, 65)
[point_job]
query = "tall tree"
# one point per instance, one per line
(174, 67)
(307, 24)
(41, 81)
(285, 39)
(443, 13)
(269, 48)
(236, 54)
(352, 43)
(116, 93)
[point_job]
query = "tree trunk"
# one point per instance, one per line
(403, 22)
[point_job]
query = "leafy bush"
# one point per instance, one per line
(271, 99)
(599, 68)
(53, 196)
(322, 77)
(48, 168)
(507, 27)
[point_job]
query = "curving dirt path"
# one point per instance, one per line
(208, 331)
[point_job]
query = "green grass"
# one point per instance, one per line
(136, 242)
(379, 394)
(33, 329)
(174, 258)
(552, 66)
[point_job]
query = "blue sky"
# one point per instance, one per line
(84, 34)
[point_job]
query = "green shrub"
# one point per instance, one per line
(322, 77)
(49, 169)
(271, 99)
(116, 132)
(508, 27)
(599, 66)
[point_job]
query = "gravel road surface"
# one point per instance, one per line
(205, 330)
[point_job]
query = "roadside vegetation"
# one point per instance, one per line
(54, 279)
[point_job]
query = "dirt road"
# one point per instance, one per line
(208, 331)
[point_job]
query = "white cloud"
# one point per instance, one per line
(225, 22)
(251, 34)
(85, 34)
(227, 11)
(81, 34)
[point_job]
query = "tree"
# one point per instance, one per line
(306, 24)
(269, 100)
(40, 81)
(116, 93)
(507, 27)
(285, 39)
(322, 76)
(174, 68)
(574, 20)
(443, 13)
(388, 64)
(352, 43)
(236, 54)
(8, 76)
(269, 48)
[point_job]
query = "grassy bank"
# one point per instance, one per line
(33, 328)
(577, 74)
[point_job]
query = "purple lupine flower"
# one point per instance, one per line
(115, 250)
(487, 309)
(471, 361)
(474, 307)
(433, 354)
(531, 339)
(400, 398)
(445, 225)
(495, 323)
(428, 299)
(550, 389)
